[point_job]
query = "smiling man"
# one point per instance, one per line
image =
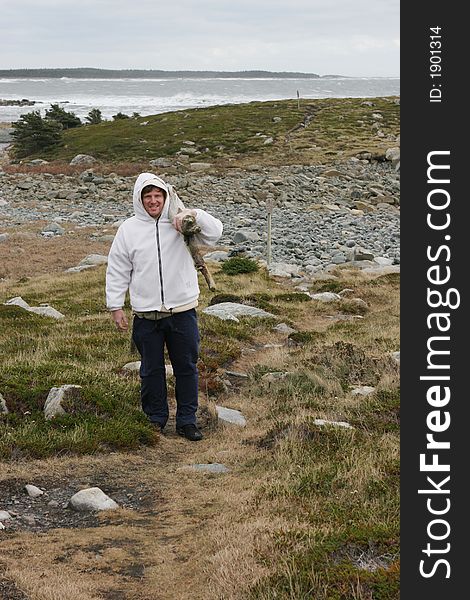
(149, 258)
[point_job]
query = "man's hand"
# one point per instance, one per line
(120, 320)
(178, 220)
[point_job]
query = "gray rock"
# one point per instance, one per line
(230, 416)
(25, 185)
(325, 297)
(393, 154)
(83, 159)
(93, 260)
(33, 491)
(3, 406)
(53, 228)
(217, 256)
(363, 390)
(44, 310)
(229, 311)
(160, 162)
(323, 422)
(4, 237)
(53, 404)
(396, 356)
(92, 499)
(283, 328)
(244, 235)
(273, 377)
(281, 269)
(209, 468)
(200, 166)
(5, 515)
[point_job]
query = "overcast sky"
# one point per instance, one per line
(345, 37)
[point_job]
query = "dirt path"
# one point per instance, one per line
(179, 534)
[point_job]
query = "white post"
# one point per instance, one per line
(269, 207)
(298, 100)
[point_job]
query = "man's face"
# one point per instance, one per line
(153, 202)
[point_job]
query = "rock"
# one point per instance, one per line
(25, 185)
(237, 374)
(362, 254)
(268, 141)
(33, 491)
(208, 468)
(83, 159)
(53, 228)
(244, 235)
(364, 390)
(277, 119)
(283, 328)
(273, 377)
(3, 406)
(38, 161)
(160, 162)
(230, 416)
(45, 310)
(382, 261)
(229, 311)
(5, 515)
(93, 260)
(29, 520)
(4, 237)
(396, 356)
(217, 256)
(3, 202)
(332, 173)
(199, 166)
(132, 366)
(53, 404)
(2, 526)
(322, 422)
(135, 367)
(17, 301)
(92, 499)
(284, 270)
(393, 154)
(325, 297)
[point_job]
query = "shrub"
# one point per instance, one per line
(32, 133)
(94, 117)
(68, 120)
(119, 116)
(238, 264)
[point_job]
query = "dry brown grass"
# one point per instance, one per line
(216, 537)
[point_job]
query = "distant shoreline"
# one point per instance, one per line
(90, 73)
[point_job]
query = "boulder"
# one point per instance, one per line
(325, 297)
(229, 311)
(280, 269)
(208, 468)
(160, 162)
(83, 159)
(53, 404)
(363, 390)
(217, 256)
(245, 235)
(92, 499)
(4, 515)
(230, 416)
(4, 237)
(44, 310)
(93, 260)
(33, 491)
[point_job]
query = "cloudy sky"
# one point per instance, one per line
(345, 37)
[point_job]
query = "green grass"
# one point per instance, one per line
(339, 127)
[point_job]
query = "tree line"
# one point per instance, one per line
(33, 133)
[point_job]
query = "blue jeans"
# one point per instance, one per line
(180, 334)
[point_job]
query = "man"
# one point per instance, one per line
(149, 258)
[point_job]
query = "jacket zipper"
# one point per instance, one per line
(159, 261)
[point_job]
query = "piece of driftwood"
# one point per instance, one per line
(189, 228)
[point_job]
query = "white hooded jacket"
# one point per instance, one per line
(150, 258)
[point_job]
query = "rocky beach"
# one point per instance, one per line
(322, 216)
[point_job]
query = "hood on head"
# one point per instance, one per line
(148, 179)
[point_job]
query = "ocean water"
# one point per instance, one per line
(152, 96)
